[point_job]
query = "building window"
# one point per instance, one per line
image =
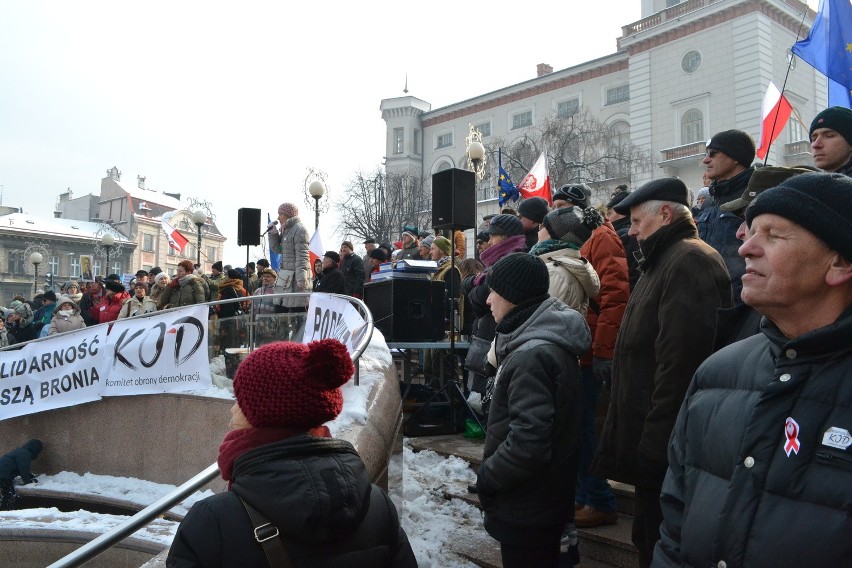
(522, 120)
(670, 3)
(211, 255)
(795, 129)
(16, 262)
(619, 138)
(444, 140)
(691, 61)
(417, 149)
(96, 268)
(568, 108)
(148, 243)
(615, 95)
(54, 265)
(171, 251)
(75, 267)
(484, 128)
(691, 127)
(398, 140)
(116, 267)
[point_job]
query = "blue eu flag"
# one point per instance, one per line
(828, 49)
(274, 257)
(508, 191)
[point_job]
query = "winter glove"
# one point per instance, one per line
(602, 369)
(31, 480)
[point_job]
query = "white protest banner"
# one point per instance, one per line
(164, 352)
(65, 371)
(335, 318)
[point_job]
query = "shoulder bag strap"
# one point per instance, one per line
(267, 535)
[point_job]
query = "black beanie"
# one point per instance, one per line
(534, 209)
(573, 225)
(836, 118)
(819, 202)
(335, 258)
(736, 144)
(519, 277)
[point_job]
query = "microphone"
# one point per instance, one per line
(270, 227)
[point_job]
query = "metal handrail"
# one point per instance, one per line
(111, 538)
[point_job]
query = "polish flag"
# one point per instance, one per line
(176, 240)
(776, 113)
(315, 250)
(537, 181)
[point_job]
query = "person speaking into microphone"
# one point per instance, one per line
(290, 240)
(270, 226)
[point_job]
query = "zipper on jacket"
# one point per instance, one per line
(834, 459)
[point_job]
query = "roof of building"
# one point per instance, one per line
(51, 226)
(150, 196)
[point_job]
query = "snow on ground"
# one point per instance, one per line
(431, 521)
(137, 491)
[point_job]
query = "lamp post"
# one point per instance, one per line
(476, 160)
(317, 190)
(107, 240)
(36, 259)
(199, 217)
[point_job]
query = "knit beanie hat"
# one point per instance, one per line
(574, 193)
(379, 254)
(519, 277)
(233, 274)
(427, 242)
(114, 285)
(217, 265)
(508, 225)
(572, 225)
(50, 295)
(411, 231)
(347, 244)
(736, 144)
(761, 180)
(333, 256)
(836, 118)
(288, 209)
(617, 198)
(819, 202)
(444, 244)
(534, 209)
(292, 385)
(24, 310)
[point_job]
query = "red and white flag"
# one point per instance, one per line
(176, 240)
(776, 113)
(315, 248)
(537, 181)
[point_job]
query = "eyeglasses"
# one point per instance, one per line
(712, 153)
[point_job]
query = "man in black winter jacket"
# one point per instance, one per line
(760, 465)
(526, 479)
(330, 280)
(352, 268)
(17, 463)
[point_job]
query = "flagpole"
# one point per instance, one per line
(784, 86)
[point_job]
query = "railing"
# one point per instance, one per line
(665, 15)
(685, 151)
(157, 508)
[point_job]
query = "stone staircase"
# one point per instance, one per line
(600, 547)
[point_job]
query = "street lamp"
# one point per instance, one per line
(199, 217)
(317, 190)
(107, 240)
(36, 259)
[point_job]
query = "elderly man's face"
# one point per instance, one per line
(499, 305)
(561, 204)
(785, 264)
(643, 225)
(719, 165)
(370, 247)
(831, 151)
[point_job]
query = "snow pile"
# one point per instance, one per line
(431, 521)
(136, 491)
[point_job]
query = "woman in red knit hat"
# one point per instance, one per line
(284, 468)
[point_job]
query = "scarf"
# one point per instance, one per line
(551, 245)
(238, 442)
(235, 283)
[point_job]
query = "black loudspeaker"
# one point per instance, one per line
(454, 199)
(248, 227)
(407, 310)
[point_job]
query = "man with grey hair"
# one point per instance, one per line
(664, 336)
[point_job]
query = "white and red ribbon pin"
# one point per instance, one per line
(791, 431)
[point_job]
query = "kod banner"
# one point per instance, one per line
(330, 317)
(71, 369)
(160, 353)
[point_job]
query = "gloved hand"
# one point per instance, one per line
(32, 480)
(602, 369)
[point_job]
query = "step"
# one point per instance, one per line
(610, 544)
(625, 495)
(468, 449)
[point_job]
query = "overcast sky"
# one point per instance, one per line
(233, 102)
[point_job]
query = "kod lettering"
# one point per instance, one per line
(149, 345)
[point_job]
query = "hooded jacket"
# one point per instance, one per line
(737, 489)
(189, 291)
(17, 462)
(61, 323)
(572, 278)
(526, 479)
(316, 492)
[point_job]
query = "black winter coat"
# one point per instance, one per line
(331, 281)
(734, 492)
(17, 462)
(352, 268)
(526, 480)
(667, 331)
(631, 248)
(316, 492)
